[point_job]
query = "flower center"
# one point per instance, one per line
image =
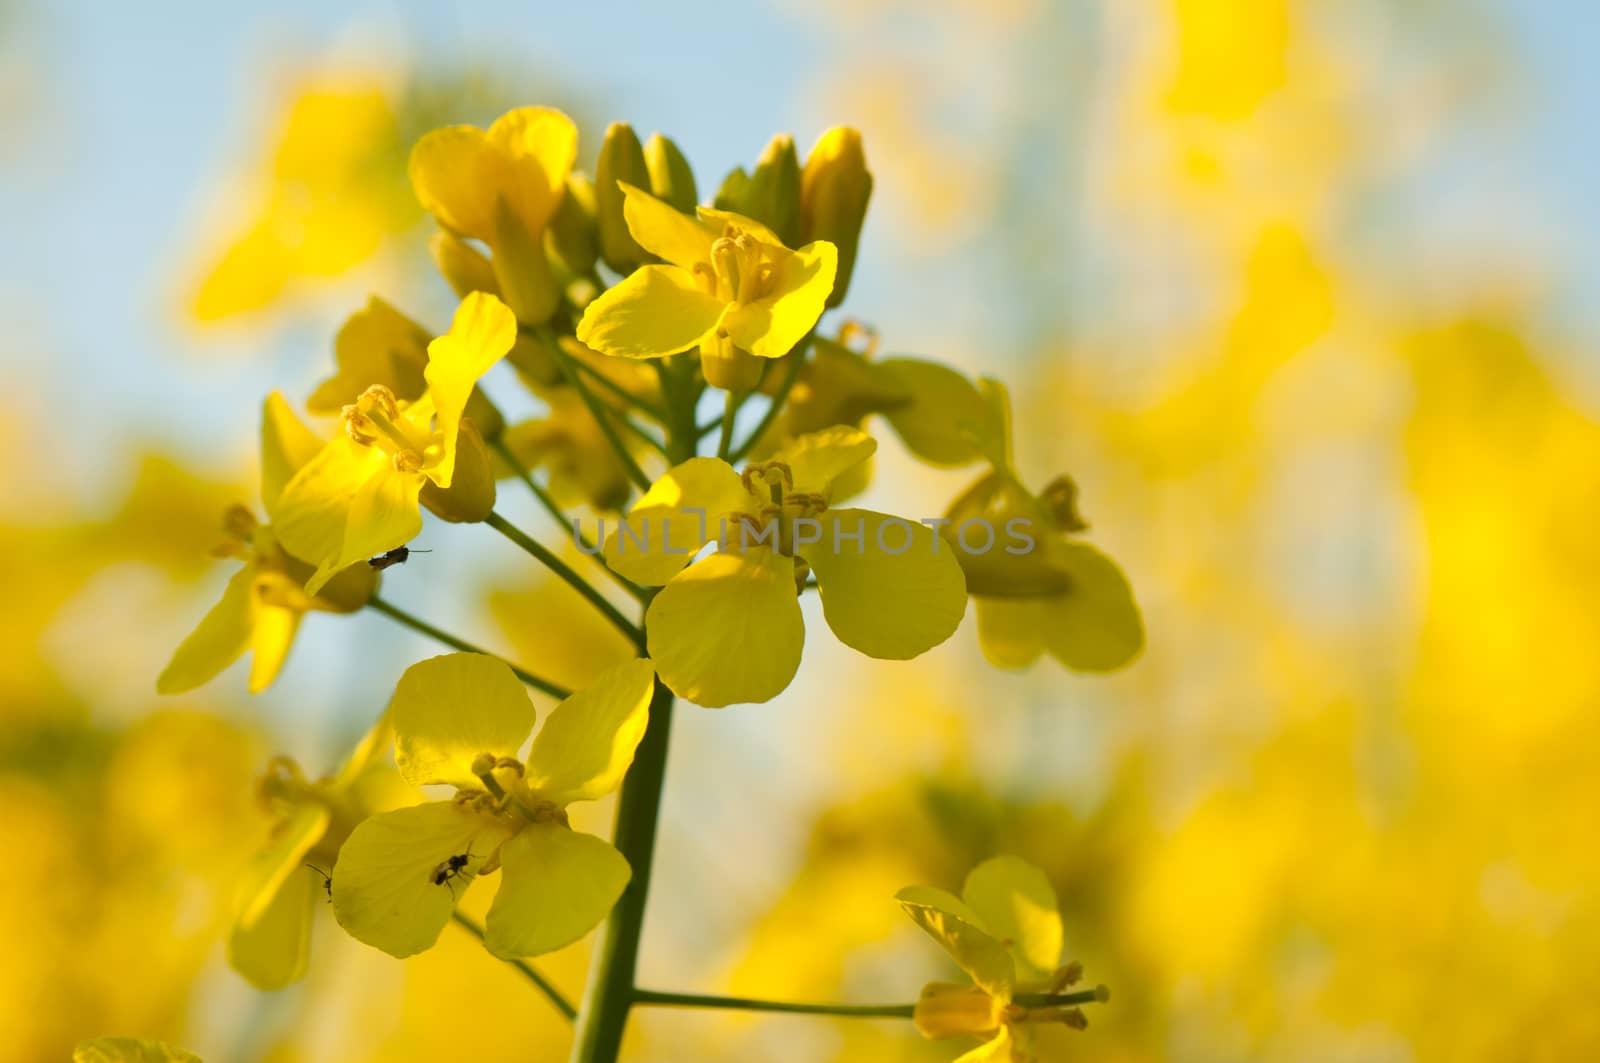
(374, 420)
(741, 267)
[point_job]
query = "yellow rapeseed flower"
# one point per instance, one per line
(358, 496)
(460, 720)
(727, 628)
(270, 941)
(262, 605)
(501, 186)
(129, 1050)
(728, 286)
(1004, 931)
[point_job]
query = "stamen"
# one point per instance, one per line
(357, 426)
(239, 523)
(407, 461)
(381, 399)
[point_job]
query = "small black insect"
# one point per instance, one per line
(327, 879)
(450, 868)
(397, 556)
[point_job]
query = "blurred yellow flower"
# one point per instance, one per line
(270, 941)
(330, 197)
(263, 603)
(129, 1050)
(1004, 931)
(359, 495)
(460, 720)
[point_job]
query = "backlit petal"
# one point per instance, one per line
(286, 445)
(1095, 626)
(956, 927)
(270, 639)
(540, 145)
(890, 587)
(653, 312)
(586, 744)
(947, 421)
(769, 327)
(1017, 904)
(664, 231)
(480, 335)
(448, 709)
(556, 885)
(661, 534)
(218, 640)
(384, 893)
(273, 950)
(816, 459)
(728, 629)
(1011, 630)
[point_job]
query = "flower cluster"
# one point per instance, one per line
(632, 313)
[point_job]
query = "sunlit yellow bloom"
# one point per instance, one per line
(358, 497)
(461, 720)
(129, 1050)
(501, 186)
(262, 604)
(728, 628)
(1042, 591)
(270, 942)
(1004, 931)
(329, 196)
(728, 286)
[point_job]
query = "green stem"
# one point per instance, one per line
(417, 624)
(791, 374)
(730, 407)
(598, 412)
(619, 391)
(610, 993)
(544, 555)
(651, 998)
(560, 517)
(554, 995)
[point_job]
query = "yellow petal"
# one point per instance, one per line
(557, 884)
(348, 504)
(447, 710)
(286, 445)
(661, 534)
(1095, 626)
(957, 928)
(384, 893)
(376, 345)
(664, 231)
(817, 459)
(948, 1009)
(270, 639)
(948, 421)
(728, 629)
(1017, 904)
(586, 744)
(457, 176)
(222, 635)
(1001, 1049)
(129, 1050)
(273, 951)
(719, 220)
(1010, 630)
(540, 144)
(890, 587)
(770, 326)
(480, 335)
(653, 312)
(273, 866)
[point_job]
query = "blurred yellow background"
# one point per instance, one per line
(1295, 292)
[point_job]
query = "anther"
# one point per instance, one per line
(380, 398)
(407, 461)
(239, 523)
(357, 426)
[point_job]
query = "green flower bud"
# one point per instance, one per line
(621, 159)
(834, 189)
(470, 496)
(572, 234)
(523, 273)
(772, 195)
(671, 179)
